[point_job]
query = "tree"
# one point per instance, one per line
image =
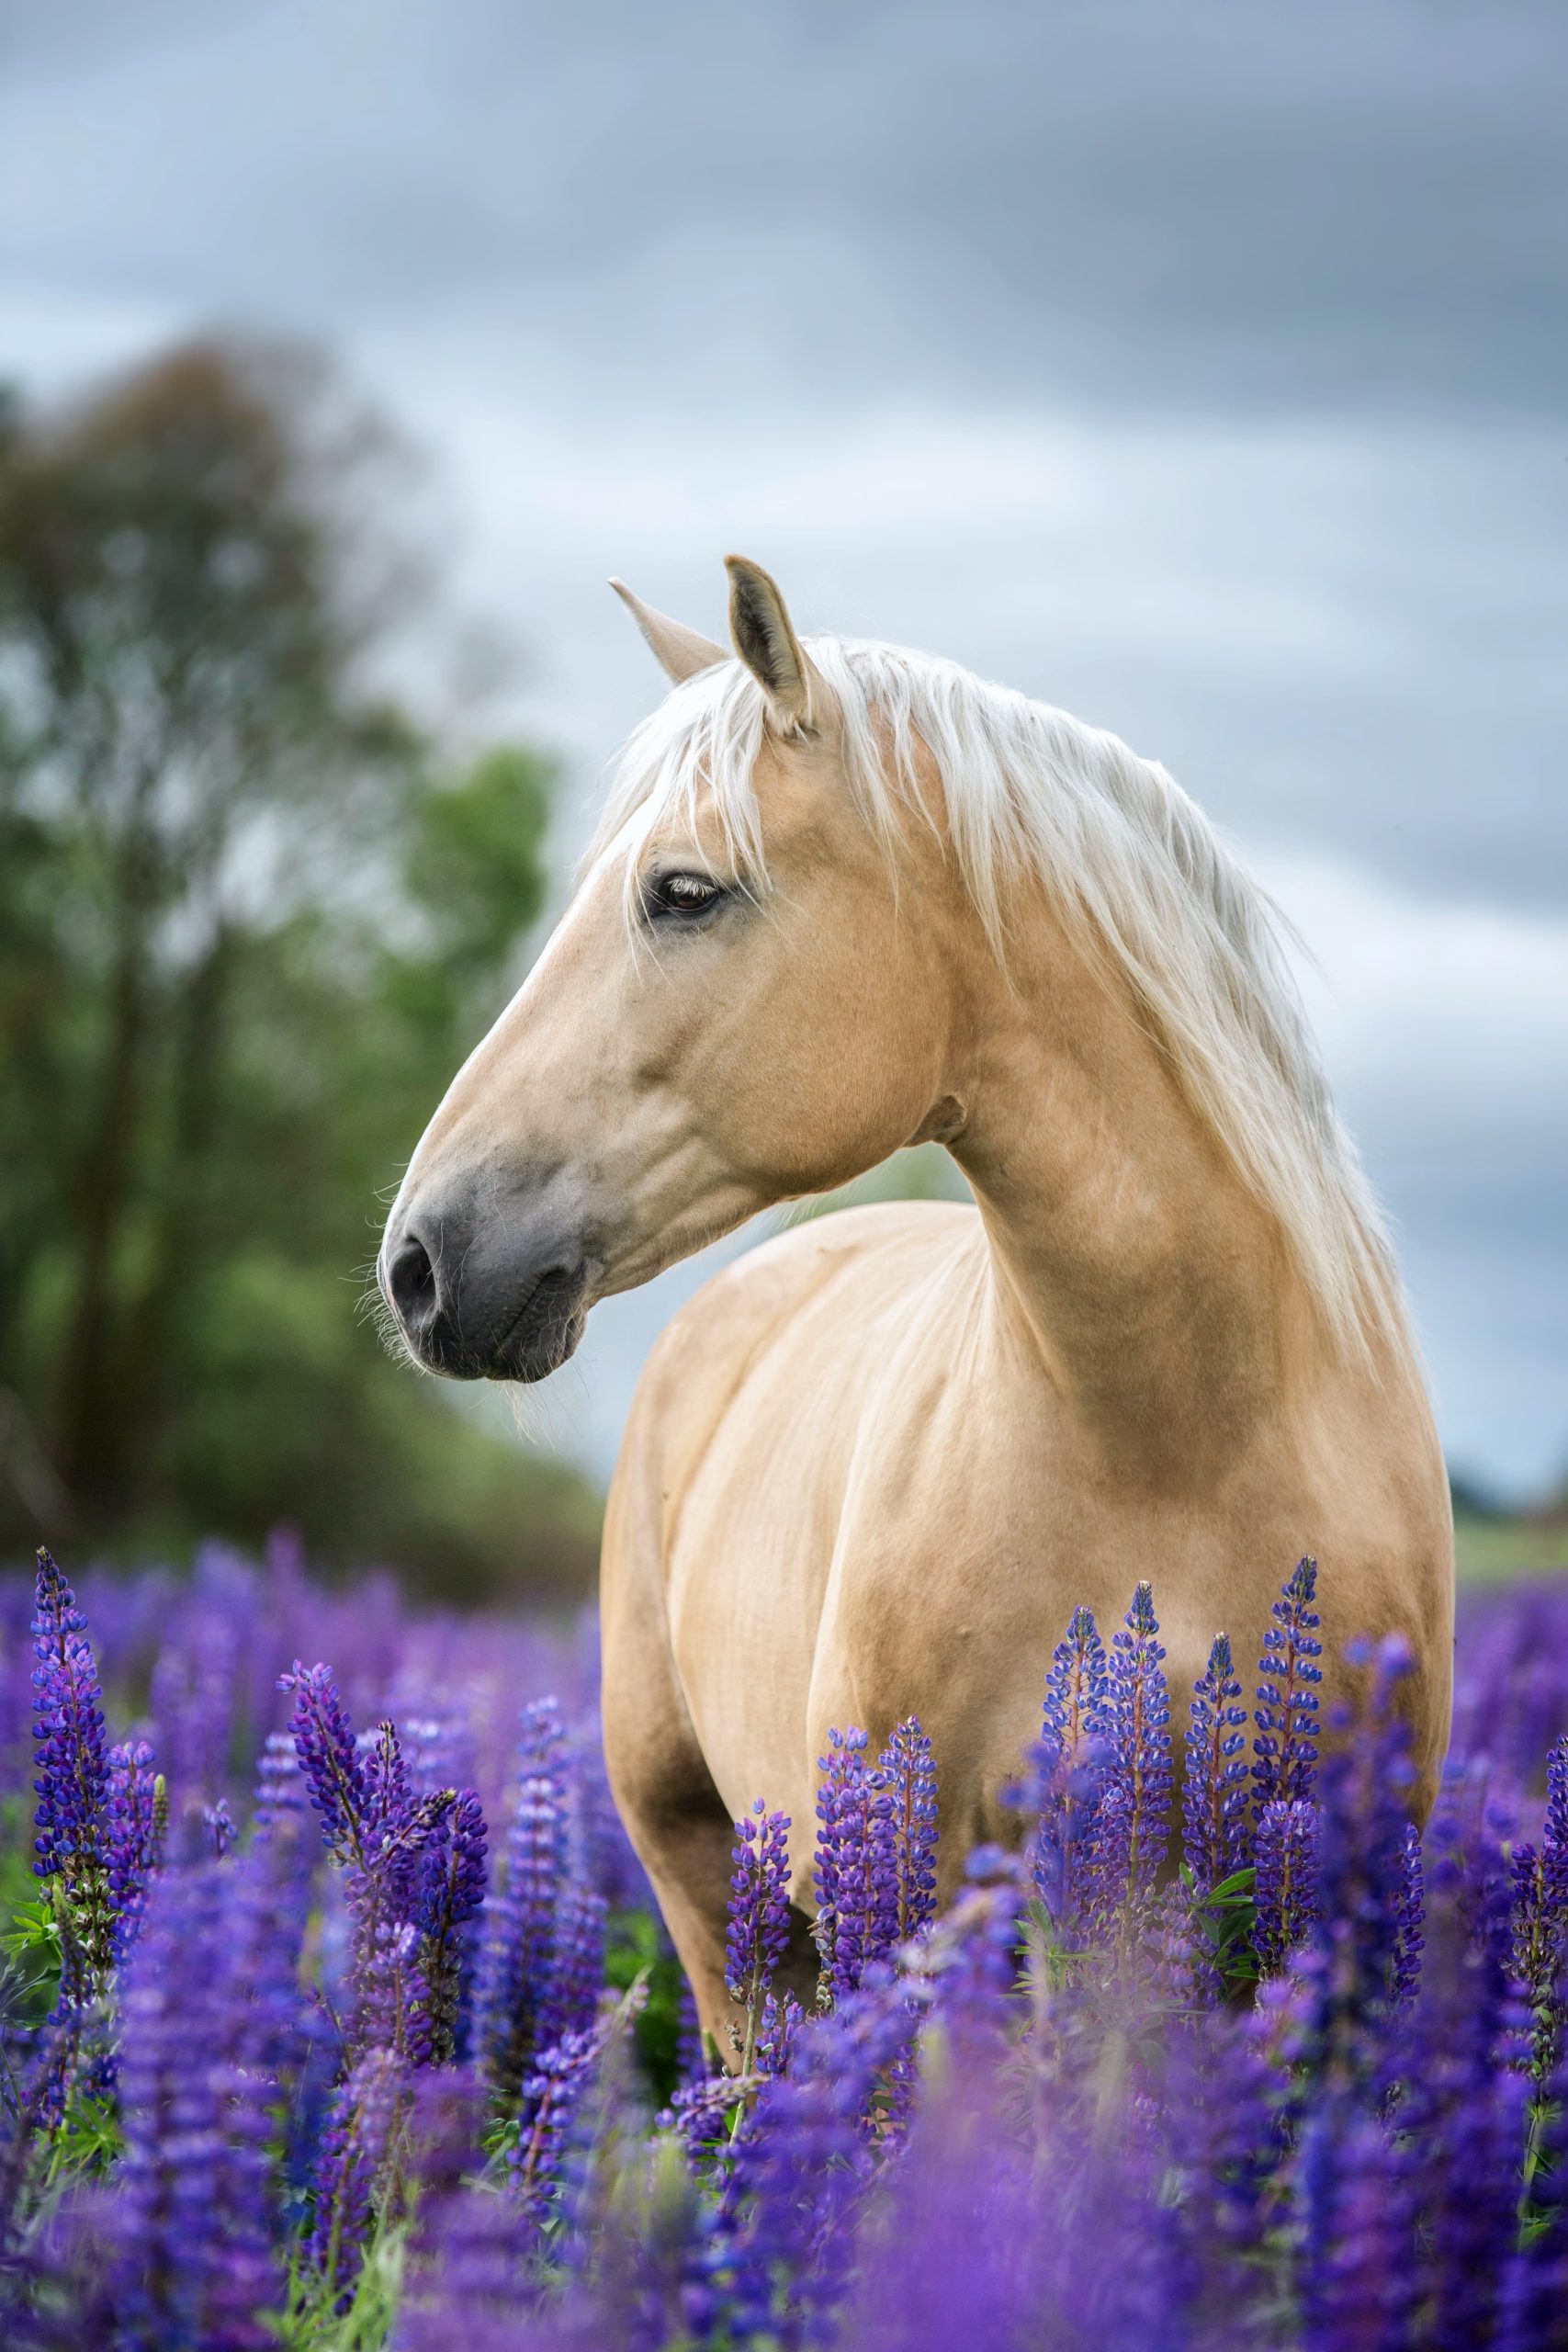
(249, 924)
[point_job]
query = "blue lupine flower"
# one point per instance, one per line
(758, 1915)
(1286, 1710)
(70, 1767)
(857, 1913)
(1214, 1800)
(908, 1770)
(1131, 1833)
(134, 1813)
(1285, 1850)
(354, 2158)
(520, 1914)
(575, 1973)
(212, 2022)
(449, 1891)
(335, 1773)
(552, 2096)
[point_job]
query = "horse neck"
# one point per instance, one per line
(1128, 1259)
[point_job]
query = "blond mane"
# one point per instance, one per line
(1127, 858)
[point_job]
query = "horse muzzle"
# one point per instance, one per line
(498, 1297)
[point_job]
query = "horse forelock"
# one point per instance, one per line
(1129, 860)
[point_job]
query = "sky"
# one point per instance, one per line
(1200, 365)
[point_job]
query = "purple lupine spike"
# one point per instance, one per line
(1214, 1800)
(519, 1914)
(907, 1768)
(353, 2156)
(856, 1893)
(1286, 1710)
(1409, 1917)
(1285, 1851)
(1133, 1831)
(449, 1892)
(758, 1915)
(558, 2103)
(209, 2008)
(70, 1769)
(1366, 1784)
(1068, 1770)
(192, 1700)
(385, 1777)
(280, 1800)
(1076, 1687)
(335, 1775)
(393, 2000)
(133, 1836)
(782, 2246)
(576, 1968)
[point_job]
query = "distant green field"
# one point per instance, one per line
(1487, 1546)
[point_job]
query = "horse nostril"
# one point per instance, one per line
(411, 1281)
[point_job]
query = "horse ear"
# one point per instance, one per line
(765, 640)
(680, 652)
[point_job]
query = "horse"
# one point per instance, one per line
(846, 897)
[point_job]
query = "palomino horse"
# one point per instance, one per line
(846, 897)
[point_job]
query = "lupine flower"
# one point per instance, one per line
(520, 1917)
(551, 2099)
(1214, 1800)
(1285, 1888)
(857, 1917)
(335, 1774)
(203, 2041)
(1409, 1915)
(449, 1889)
(280, 1799)
(71, 1767)
(354, 2160)
(1076, 1687)
(132, 1838)
(758, 1915)
(1133, 1826)
(1286, 1710)
(908, 1768)
(1351, 1961)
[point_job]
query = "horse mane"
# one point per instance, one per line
(1131, 863)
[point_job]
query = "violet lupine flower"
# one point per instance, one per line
(209, 2007)
(280, 1801)
(354, 2160)
(1410, 1907)
(449, 1891)
(1214, 1800)
(1351, 1962)
(758, 1915)
(1458, 2105)
(1076, 1687)
(1286, 1710)
(134, 1804)
(520, 1916)
(70, 1767)
(1356, 2283)
(1067, 1773)
(857, 1919)
(782, 2243)
(335, 1774)
(1133, 1828)
(552, 2097)
(576, 1973)
(1541, 1919)
(1285, 1851)
(907, 1768)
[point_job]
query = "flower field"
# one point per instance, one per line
(338, 2013)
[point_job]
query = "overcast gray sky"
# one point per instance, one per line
(1200, 368)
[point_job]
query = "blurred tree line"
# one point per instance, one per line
(251, 920)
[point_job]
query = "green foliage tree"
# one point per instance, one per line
(249, 924)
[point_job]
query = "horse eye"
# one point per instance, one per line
(682, 894)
